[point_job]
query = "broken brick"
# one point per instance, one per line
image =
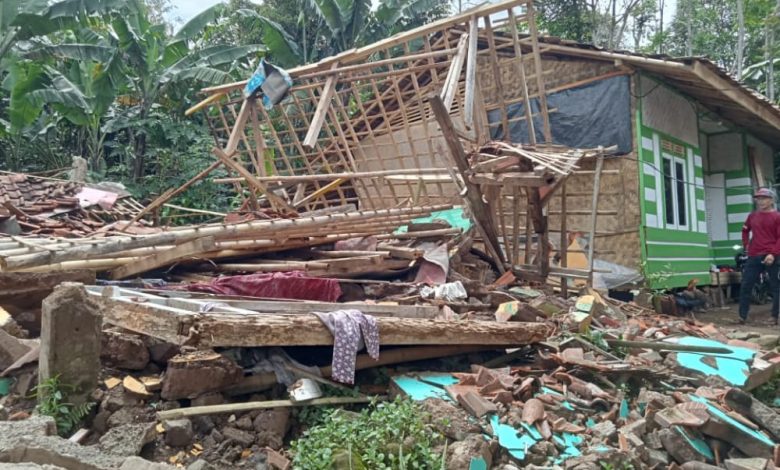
(476, 405)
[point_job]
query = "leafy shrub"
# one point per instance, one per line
(392, 435)
(51, 395)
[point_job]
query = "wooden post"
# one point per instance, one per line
(471, 73)
(480, 211)
(593, 215)
(238, 128)
(564, 249)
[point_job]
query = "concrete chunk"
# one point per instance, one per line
(128, 439)
(70, 340)
(238, 436)
(11, 349)
(123, 350)
(137, 463)
(193, 374)
(178, 432)
(746, 464)
(672, 416)
(685, 445)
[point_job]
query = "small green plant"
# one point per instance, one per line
(769, 392)
(610, 466)
(384, 436)
(52, 395)
(654, 280)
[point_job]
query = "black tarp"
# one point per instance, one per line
(598, 113)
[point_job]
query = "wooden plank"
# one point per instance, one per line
(518, 61)
(538, 73)
(510, 179)
(186, 249)
(321, 192)
(334, 176)
(277, 202)
(238, 128)
(471, 73)
(321, 113)
(453, 75)
(497, 76)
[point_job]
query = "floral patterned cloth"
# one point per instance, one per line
(352, 330)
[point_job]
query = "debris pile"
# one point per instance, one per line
(58, 208)
(675, 392)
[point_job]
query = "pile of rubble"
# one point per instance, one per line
(33, 205)
(615, 385)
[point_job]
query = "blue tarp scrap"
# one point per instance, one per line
(733, 367)
(696, 442)
(441, 380)
(455, 217)
(508, 438)
(570, 443)
(271, 80)
(418, 390)
(548, 391)
(624, 409)
(718, 413)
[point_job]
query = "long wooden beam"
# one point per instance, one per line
(208, 330)
(736, 93)
(363, 53)
(480, 212)
(471, 73)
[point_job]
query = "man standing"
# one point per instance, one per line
(763, 247)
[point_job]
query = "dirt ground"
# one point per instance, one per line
(725, 318)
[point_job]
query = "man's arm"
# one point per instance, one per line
(746, 232)
(776, 249)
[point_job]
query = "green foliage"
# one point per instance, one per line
(52, 401)
(392, 435)
(768, 392)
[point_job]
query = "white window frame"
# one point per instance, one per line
(673, 162)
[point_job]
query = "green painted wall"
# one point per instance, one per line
(681, 251)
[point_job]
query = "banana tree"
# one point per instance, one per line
(78, 82)
(155, 63)
(352, 23)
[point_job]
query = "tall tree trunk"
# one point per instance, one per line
(768, 56)
(740, 38)
(689, 28)
(140, 156)
(661, 27)
(612, 26)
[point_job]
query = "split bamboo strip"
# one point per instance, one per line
(221, 231)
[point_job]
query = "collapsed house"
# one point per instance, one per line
(359, 128)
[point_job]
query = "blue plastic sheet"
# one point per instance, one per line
(733, 367)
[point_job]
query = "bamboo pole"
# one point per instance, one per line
(221, 231)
